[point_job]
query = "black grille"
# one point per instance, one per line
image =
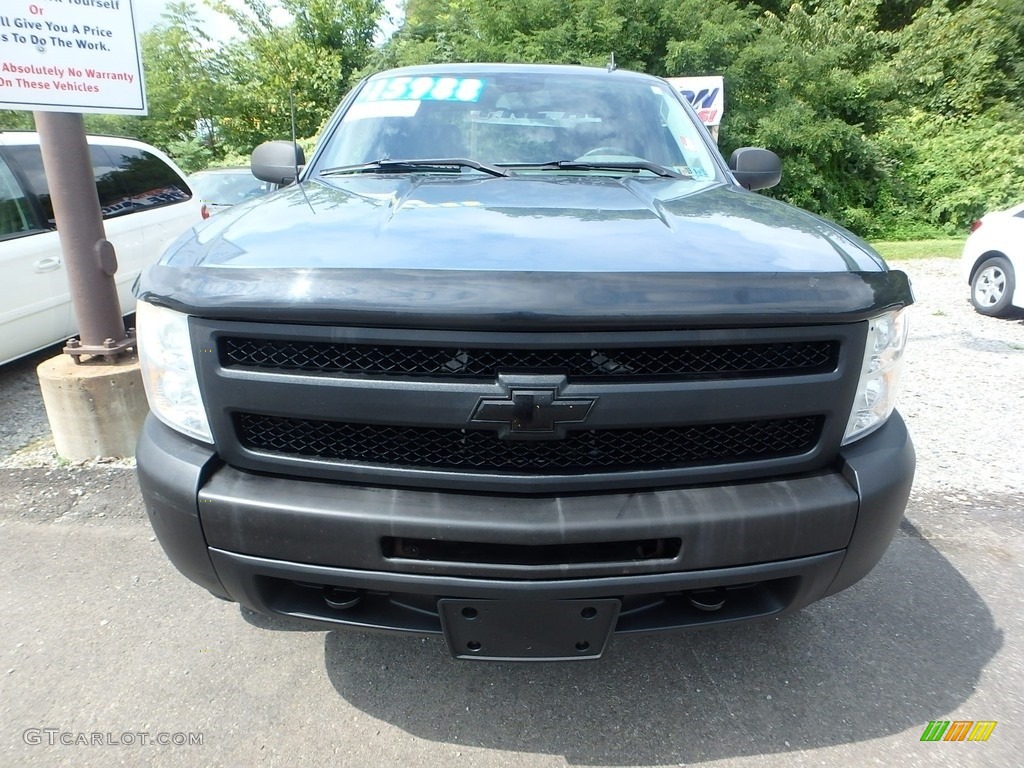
(681, 362)
(482, 451)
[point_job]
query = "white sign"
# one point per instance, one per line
(706, 94)
(70, 56)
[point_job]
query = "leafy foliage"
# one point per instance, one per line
(962, 63)
(210, 104)
(956, 168)
(312, 61)
(183, 89)
(898, 118)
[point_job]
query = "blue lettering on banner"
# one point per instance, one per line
(423, 89)
(701, 99)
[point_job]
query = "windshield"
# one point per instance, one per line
(521, 121)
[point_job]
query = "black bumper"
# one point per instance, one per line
(308, 548)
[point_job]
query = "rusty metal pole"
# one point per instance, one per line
(89, 256)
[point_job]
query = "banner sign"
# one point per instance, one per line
(706, 94)
(70, 56)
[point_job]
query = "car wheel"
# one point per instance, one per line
(992, 286)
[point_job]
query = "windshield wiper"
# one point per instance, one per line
(602, 165)
(387, 165)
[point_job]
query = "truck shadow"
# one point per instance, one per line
(905, 646)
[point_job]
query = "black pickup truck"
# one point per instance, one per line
(520, 360)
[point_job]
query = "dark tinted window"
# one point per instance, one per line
(149, 182)
(126, 179)
(30, 161)
(15, 214)
(113, 194)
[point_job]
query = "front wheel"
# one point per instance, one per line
(992, 286)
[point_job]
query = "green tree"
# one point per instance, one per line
(16, 120)
(962, 62)
(809, 84)
(183, 82)
(896, 118)
(312, 59)
(955, 132)
(569, 32)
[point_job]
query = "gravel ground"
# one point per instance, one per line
(22, 418)
(961, 392)
(960, 397)
(25, 439)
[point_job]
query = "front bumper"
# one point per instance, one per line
(291, 547)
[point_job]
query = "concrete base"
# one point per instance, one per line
(95, 408)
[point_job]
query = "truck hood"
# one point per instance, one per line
(550, 223)
(583, 251)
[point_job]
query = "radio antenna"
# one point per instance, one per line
(611, 66)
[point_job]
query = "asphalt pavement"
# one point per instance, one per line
(112, 658)
(102, 636)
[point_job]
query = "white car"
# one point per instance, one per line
(993, 255)
(145, 201)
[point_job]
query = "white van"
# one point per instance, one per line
(146, 203)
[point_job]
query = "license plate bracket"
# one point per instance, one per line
(528, 630)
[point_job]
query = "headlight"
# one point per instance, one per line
(169, 370)
(879, 375)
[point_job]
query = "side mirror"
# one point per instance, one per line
(756, 168)
(276, 161)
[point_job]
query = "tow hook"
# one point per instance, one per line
(707, 599)
(341, 599)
